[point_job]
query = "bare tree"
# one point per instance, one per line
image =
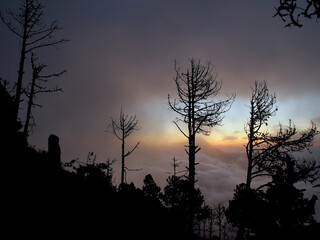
(195, 107)
(123, 129)
(36, 87)
(293, 10)
(211, 219)
(219, 213)
(261, 109)
(279, 155)
(176, 163)
(33, 33)
(268, 153)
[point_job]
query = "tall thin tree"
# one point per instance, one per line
(196, 108)
(219, 212)
(36, 87)
(175, 165)
(262, 107)
(33, 32)
(122, 129)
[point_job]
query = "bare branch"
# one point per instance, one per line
(123, 129)
(291, 11)
(36, 88)
(9, 24)
(134, 148)
(48, 44)
(180, 129)
(196, 88)
(33, 32)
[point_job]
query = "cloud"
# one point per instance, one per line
(218, 171)
(230, 138)
(316, 120)
(218, 179)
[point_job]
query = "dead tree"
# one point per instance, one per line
(279, 156)
(195, 107)
(33, 33)
(219, 213)
(36, 87)
(175, 165)
(292, 10)
(262, 107)
(265, 150)
(211, 219)
(122, 129)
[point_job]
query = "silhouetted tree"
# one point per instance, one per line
(202, 217)
(250, 213)
(91, 171)
(150, 189)
(293, 10)
(175, 192)
(279, 154)
(33, 32)
(264, 150)
(279, 213)
(211, 219)
(195, 88)
(175, 165)
(36, 87)
(123, 129)
(176, 197)
(219, 213)
(153, 196)
(107, 166)
(261, 109)
(289, 206)
(279, 162)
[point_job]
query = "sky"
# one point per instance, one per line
(121, 54)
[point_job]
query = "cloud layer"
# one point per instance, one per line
(121, 53)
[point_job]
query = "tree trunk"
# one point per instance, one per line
(20, 76)
(21, 64)
(30, 103)
(250, 149)
(122, 158)
(192, 152)
(191, 182)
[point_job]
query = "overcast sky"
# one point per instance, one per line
(122, 54)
